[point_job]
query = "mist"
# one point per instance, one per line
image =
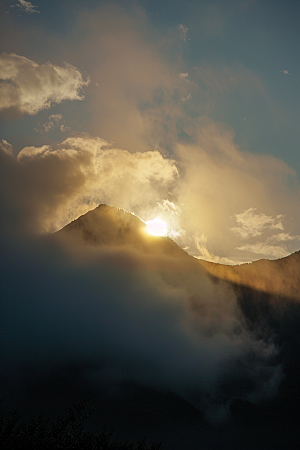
(115, 315)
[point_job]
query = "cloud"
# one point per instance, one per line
(53, 122)
(285, 72)
(206, 255)
(184, 76)
(140, 105)
(32, 151)
(252, 224)
(54, 185)
(64, 128)
(6, 147)
(28, 7)
(130, 73)
(166, 205)
(28, 87)
(183, 31)
(217, 181)
(140, 102)
(262, 248)
(197, 194)
(283, 237)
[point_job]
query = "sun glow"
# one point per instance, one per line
(157, 227)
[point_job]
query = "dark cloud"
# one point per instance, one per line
(35, 188)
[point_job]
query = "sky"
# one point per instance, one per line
(184, 111)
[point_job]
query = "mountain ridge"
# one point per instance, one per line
(110, 226)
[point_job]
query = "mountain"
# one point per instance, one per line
(110, 226)
(279, 277)
(268, 297)
(267, 292)
(114, 227)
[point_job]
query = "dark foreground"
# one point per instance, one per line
(136, 418)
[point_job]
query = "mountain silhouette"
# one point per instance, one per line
(110, 226)
(267, 295)
(267, 291)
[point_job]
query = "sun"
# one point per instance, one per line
(157, 227)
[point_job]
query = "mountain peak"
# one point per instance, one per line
(110, 226)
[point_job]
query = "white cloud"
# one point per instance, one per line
(183, 31)
(285, 72)
(262, 248)
(29, 87)
(28, 7)
(32, 151)
(281, 237)
(251, 224)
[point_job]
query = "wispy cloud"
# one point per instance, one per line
(52, 123)
(183, 31)
(27, 7)
(204, 253)
(184, 76)
(262, 248)
(285, 72)
(281, 237)
(251, 224)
